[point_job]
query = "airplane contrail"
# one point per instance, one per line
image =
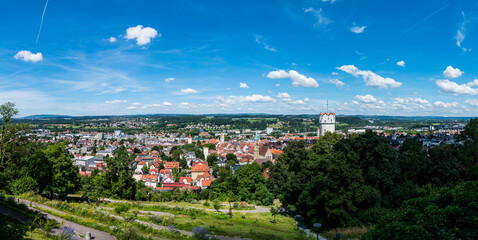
(429, 16)
(41, 23)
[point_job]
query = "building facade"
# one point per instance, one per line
(326, 123)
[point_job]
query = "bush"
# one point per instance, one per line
(206, 203)
(121, 208)
(66, 233)
(10, 229)
(200, 233)
(236, 205)
(216, 204)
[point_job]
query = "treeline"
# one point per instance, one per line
(356, 180)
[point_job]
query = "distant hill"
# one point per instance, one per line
(45, 116)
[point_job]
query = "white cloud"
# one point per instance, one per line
(472, 102)
(294, 64)
(188, 91)
(142, 35)
(401, 63)
(473, 84)
(366, 98)
(167, 104)
(28, 56)
(371, 79)
(298, 102)
(451, 72)
(169, 79)
(243, 85)
(306, 99)
(132, 107)
(445, 105)
(136, 103)
(298, 80)
(262, 41)
(283, 95)
(112, 39)
(321, 19)
(255, 98)
(277, 85)
(331, 1)
(115, 101)
(356, 29)
(460, 34)
(335, 73)
(448, 86)
(337, 82)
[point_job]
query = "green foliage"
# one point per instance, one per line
(11, 229)
(446, 214)
(216, 204)
(22, 185)
(121, 208)
(212, 159)
(355, 181)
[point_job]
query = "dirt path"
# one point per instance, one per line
(80, 229)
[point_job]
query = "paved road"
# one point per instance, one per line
(80, 229)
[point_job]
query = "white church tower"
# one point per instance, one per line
(326, 122)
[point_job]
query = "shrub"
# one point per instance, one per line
(121, 208)
(10, 229)
(236, 205)
(216, 204)
(206, 203)
(66, 233)
(200, 233)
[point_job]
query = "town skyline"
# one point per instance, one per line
(274, 57)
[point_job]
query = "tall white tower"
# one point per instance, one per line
(326, 123)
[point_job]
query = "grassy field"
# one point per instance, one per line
(247, 225)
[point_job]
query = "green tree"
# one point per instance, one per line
(7, 111)
(212, 159)
(183, 163)
(443, 214)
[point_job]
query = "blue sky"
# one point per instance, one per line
(131, 57)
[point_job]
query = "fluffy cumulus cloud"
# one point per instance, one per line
(243, 85)
(454, 88)
(255, 98)
(112, 39)
(336, 82)
(472, 102)
(167, 104)
(116, 101)
(298, 80)
(451, 72)
(366, 98)
(401, 63)
(306, 99)
(136, 104)
(142, 35)
(445, 105)
(28, 56)
(188, 91)
(371, 79)
(283, 95)
(364, 104)
(298, 102)
(357, 29)
(169, 79)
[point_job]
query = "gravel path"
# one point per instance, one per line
(79, 229)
